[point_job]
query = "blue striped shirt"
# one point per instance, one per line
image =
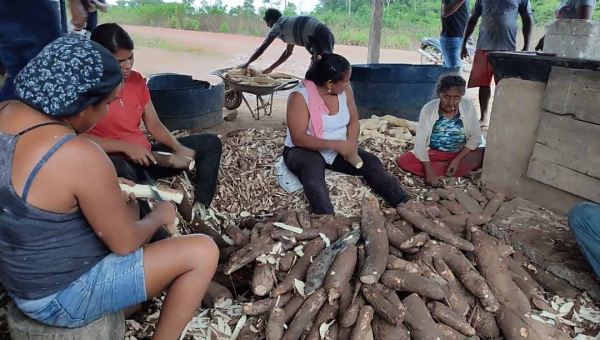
(295, 30)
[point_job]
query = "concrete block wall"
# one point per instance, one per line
(573, 39)
(515, 120)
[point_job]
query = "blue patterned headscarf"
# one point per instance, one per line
(69, 75)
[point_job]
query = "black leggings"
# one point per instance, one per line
(309, 166)
(208, 149)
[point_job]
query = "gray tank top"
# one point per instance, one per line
(41, 252)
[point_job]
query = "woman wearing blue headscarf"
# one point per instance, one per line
(71, 247)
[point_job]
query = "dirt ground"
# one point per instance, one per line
(212, 51)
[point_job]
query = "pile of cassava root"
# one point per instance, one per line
(254, 77)
(421, 271)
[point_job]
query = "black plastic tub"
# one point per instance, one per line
(399, 90)
(184, 103)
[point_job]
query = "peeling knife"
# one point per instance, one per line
(152, 186)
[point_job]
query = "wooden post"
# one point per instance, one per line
(375, 34)
(349, 9)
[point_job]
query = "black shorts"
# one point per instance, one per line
(321, 41)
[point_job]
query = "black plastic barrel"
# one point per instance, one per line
(399, 90)
(184, 103)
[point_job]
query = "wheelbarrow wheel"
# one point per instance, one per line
(233, 99)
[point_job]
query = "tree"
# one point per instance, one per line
(122, 3)
(248, 6)
(218, 8)
(134, 3)
(290, 10)
(272, 3)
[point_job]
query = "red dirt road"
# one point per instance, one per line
(212, 51)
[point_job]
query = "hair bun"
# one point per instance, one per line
(326, 67)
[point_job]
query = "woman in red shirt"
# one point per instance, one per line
(73, 248)
(120, 135)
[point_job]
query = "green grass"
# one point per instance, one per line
(164, 44)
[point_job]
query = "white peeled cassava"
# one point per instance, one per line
(145, 191)
(253, 72)
(412, 126)
(255, 77)
(369, 134)
(282, 76)
(250, 72)
(373, 124)
(401, 133)
(263, 80)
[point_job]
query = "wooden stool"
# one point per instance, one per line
(109, 327)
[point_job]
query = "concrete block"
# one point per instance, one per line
(109, 327)
(570, 143)
(574, 92)
(573, 38)
(515, 120)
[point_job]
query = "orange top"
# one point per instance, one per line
(124, 117)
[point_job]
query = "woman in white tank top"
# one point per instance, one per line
(323, 136)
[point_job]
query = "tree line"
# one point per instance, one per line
(405, 22)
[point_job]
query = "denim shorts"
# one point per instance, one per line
(115, 283)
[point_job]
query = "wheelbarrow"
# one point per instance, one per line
(234, 94)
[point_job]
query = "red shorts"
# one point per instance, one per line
(440, 161)
(481, 72)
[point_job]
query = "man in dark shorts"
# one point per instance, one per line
(497, 32)
(305, 31)
(26, 27)
(455, 14)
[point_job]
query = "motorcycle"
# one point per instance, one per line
(431, 53)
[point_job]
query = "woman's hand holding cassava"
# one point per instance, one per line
(129, 197)
(138, 154)
(185, 151)
(346, 148)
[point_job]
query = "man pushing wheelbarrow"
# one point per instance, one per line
(305, 31)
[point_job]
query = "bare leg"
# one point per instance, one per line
(186, 266)
(484, 101)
